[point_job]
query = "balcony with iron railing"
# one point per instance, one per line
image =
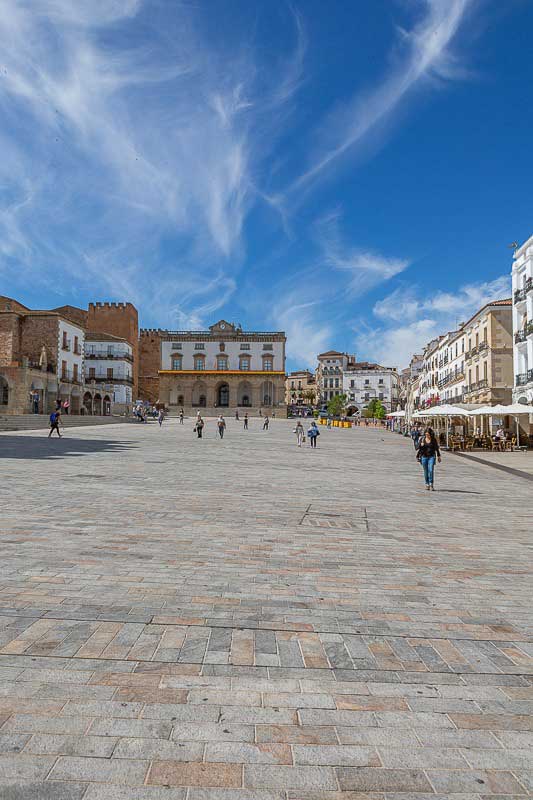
(115, 378)
(527, 330)
(476, 387)
(69, 376)
(65, 344)
(524, 378)
(105, 355)
(520, 294)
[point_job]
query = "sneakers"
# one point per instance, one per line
(427, 486)
(432, 488)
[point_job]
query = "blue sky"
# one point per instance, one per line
(350, 172)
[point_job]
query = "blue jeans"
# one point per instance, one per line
(428, 465)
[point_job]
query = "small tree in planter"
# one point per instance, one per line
(336, 405)
(375, 410)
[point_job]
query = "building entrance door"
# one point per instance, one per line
(223, 395)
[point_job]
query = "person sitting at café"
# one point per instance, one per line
(500, 435)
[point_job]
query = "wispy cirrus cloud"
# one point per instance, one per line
(122, 123)
(359, 268)
(421, 53)
(408, 318)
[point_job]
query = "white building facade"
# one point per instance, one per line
(363, 382)
(522, 277)
(108, 374)
(329, 374)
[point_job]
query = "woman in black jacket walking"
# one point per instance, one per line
(428, 452)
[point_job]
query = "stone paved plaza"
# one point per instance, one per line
(244, 620)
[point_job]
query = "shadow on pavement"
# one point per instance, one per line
(458, 491)
(41, 447)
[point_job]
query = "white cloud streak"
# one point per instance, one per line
(422, 316)
(156, 141)
(423, 52)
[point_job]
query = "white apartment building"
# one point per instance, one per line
(451, 383)
(108, 373)
(329, 374)
(428, 377)
(363, 382)
(522, 276)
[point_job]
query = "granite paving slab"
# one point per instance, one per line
(247, 620)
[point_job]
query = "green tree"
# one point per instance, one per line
(336, 405)
(375, 409)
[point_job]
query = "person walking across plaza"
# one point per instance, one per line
(161, 416)
(221, 425)
(415, 435)
(428, 452)
(181, 417)
(246, 422)
(266, 424)
(300, 433)
(237, 415)
(199, 427)
(55, 419)
(313, 433)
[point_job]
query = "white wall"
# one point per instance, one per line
(232, 350)
(68, 355)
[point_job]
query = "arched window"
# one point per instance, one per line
(268, 363)
(199, 362)
(176, 361)
(222, 362)
(4, 392)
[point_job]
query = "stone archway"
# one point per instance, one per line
(352, 411)
(88, 403)
(244, 394)
(4, 392)
(107, 406)
(199, 394)
(267, 393)
(97, 405)
(75, 401)
(223, 395)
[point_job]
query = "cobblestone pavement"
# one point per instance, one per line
(245, 620)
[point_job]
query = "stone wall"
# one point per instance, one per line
(10, 330)
(149, 365)
(199, 390)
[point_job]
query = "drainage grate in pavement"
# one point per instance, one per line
(355, 520)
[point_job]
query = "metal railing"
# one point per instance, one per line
(524, 377)
(103, 354)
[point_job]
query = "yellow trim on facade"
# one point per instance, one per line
(218, 372)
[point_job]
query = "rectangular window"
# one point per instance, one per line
(176, 363)
(199, 363)
(367, 395)
(75, 372)
(245, 346)
(244, 364)
(268, 347)
(63, 369)
(367, 382)
(109, 372)
(267, 364)
(76, 345)
(64, 340)
(92, 372)
(336, 383)
(380, 380)
(380, 396)
(352, 384)
(199, 346)
(177, 346)
(222, 362)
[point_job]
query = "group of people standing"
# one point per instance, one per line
(312, 434)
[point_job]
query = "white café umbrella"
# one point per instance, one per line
(446, 410)
(397, 414)
(512, 410)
